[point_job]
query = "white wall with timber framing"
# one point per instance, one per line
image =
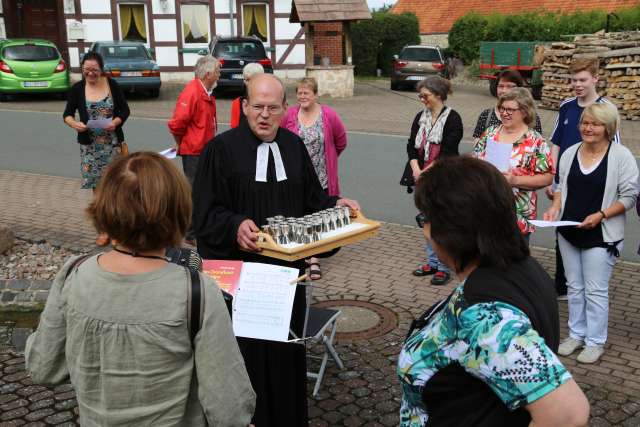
(174, 30)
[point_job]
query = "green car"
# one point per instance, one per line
(31, 66)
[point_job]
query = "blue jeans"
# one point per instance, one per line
(588, 272)
(433, 261)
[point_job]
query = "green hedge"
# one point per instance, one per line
(467, 32)
(376, 41)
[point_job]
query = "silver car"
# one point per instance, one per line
(414, 64)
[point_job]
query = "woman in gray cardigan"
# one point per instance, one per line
(598, 184)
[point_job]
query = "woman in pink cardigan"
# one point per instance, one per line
(323, 134)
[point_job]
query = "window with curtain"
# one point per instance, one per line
(133, 26)
(254, 21)
(195, 23)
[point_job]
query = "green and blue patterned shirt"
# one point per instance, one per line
(494, 342)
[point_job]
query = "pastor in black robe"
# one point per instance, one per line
(225, 193)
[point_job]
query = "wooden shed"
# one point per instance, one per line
(323, 19)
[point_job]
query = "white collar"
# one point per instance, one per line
(209, 92)
(262, 161)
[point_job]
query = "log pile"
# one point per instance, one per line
(619, 55)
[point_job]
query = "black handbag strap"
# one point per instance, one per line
(194, 308)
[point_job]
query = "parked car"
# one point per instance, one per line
(234, 53)
(131, 65)
(414, 63)
(31, 66)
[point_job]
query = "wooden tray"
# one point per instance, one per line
(271, 249)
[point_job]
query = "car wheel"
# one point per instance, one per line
(493, 87)
(4, 97)
(62, 96)
(154, 93)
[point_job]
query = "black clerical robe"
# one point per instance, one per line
(225, 193)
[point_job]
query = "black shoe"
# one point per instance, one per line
(425, 270)
(441, 278)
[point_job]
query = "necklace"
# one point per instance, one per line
(137, 255)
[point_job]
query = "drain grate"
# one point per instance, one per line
(375, 320)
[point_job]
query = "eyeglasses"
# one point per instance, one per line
(591, 125)
(507, 111)
(270, 109)
(423, 96)
(91, 70)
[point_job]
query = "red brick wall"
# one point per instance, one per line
(327, 41)
(438, 17)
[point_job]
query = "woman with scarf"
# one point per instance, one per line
(436, 132)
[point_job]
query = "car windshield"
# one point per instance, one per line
(239, 49)
(420, 54)
(123, 52)
(30, 52)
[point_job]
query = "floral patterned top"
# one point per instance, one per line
(493, 342)
(530, 156)
(313, 137)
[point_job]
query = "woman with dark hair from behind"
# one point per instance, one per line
(117, 323)
(484, 356)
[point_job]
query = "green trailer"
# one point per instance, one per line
(524, 57)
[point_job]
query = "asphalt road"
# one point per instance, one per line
(370, 168)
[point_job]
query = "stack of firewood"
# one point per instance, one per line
(555, 76)
(622, 71)
(619, 55)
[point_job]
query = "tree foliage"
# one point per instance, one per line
(469, 30)
(376, 41)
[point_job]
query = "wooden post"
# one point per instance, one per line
(308, 43)
(348, 47)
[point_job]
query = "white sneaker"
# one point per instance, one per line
(590, 354)
(569, 345)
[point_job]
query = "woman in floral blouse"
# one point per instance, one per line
(527, 167)
(484, 356)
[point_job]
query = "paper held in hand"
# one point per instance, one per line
(98, 123)
(540, 223)
(263, 296)
(498, 154)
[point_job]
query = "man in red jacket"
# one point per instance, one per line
(194, 123)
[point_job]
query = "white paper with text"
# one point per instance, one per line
(263, 302)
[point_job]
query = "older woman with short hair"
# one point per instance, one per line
(325, 137)
(528, 166)
(117, 323)
(435, 133)
(484, 356)
(598, 184)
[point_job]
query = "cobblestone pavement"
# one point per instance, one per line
(374, 108)
(376, 271)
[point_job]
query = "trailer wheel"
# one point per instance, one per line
(536, 92)
(493, 87)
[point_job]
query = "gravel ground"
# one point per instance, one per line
(37, 261)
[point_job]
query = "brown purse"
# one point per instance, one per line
(124, 149)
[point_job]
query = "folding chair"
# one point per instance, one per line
(320, 325)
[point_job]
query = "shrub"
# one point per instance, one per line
(467, 32)
(465, 36)
(377, 40)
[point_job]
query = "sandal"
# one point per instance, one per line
(425, 270)
(314, 271)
